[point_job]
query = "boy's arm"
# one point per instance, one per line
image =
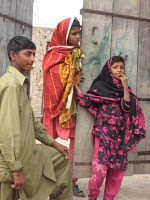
(10, 132)
(41, 134)
(44, 137)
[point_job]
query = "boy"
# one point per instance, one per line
(27, 171)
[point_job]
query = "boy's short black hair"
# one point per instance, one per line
(19, 43)
(117, 59)
(75, 23)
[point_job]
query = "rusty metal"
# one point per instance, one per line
(83, 163)
(139, 162)
(129, 162)
(15, 20)
(114, 15)
(144, 99)
(143, 153)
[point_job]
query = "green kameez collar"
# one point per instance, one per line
(20, 77)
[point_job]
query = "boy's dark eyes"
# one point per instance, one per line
(29, 54)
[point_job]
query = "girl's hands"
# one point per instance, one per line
(81, 78)
(124, 80)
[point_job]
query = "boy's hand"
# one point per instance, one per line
(19, 181)
(124, 80)
(61, 148)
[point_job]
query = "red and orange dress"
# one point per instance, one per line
(61, 70)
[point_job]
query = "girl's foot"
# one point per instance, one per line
(77, 192)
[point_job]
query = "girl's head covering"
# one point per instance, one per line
(108, 87)
(61, 32)
(60, 72)
(105, 85)
(112, 61)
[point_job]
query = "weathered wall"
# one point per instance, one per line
(40, 36)
(115, 27)
(15, 19)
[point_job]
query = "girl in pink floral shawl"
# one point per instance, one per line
(118, 126)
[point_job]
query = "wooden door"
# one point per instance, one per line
(114, 27)
(15, 19)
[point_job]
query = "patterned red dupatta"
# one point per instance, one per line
(60, 74)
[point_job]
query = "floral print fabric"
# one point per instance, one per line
(110, 126)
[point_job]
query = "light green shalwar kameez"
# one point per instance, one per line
(46, 170)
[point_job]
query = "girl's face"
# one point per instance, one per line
(117, 69)
(74, 36)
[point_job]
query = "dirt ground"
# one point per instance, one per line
(136, 187)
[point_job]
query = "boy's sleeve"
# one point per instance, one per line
(40, 133)
(10, 131)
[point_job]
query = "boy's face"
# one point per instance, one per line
(117, 69)
(23, 60)
(74, 36)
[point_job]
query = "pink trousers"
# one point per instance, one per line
(113, 177)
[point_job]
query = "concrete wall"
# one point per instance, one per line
(40, 36)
